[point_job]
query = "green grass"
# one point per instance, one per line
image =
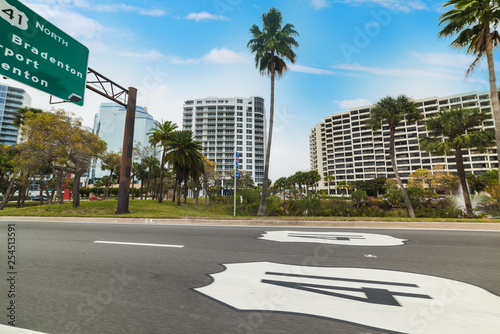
(167, 209)
(138, 209)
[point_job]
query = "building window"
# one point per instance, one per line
(239, 101)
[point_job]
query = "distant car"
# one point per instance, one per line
(37, 198)
(95, 199)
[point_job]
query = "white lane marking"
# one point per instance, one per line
(137, 244)
(16, 330)
(333, 238)
(383, 299)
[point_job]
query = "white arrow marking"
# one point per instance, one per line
(16, 330)
(137, 244)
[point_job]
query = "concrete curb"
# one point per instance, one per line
(267, 222)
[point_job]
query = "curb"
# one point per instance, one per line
(266, 222)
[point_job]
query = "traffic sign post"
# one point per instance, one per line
(236, 175)
(36, 53)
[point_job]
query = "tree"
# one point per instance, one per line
(342, 186)
(328, 179)
(183, 153)
(161, 134)
(110, 161)
(393, 112)
(450, 131)
(313, 178)
(272, 46)
(476, 23)
(22, 113)
(56, 138)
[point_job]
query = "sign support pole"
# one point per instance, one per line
(235, 178)
(128, 145)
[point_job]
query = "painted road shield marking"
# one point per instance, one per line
(386, 300)
(333, 238)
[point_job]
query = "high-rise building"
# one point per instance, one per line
(109, 124)
(341, 145)
(11, 99)
(225, 126)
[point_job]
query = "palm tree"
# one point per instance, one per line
(394, 111)
(329, 178)
(185, 156)
(343, 186)
(160, 134)
(272, 46)
(476, 23)
(458, 128)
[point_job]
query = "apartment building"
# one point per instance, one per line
(11, 99)
(225, 126)
(341, 145)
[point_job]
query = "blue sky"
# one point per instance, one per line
(351, 53)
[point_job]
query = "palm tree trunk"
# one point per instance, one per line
(179, 190)
(392, 153)
(265, 184)
(160, 198)
(495, 103)
(463, 181)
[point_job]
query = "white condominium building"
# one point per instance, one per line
(225, 126)
(341, 145)
(11, 99)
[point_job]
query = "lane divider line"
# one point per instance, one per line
(137, 244)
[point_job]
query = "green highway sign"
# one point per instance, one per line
(37, 53)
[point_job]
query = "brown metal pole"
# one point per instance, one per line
(128, 145)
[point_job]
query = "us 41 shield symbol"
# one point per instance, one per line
(393, 301)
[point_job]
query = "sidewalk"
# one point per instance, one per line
(269, 222)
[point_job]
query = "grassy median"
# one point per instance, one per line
(169, 210)
(138, 209)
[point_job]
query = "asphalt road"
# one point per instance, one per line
(65, 282)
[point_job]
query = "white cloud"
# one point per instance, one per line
(68, 21)
(318, 4)
(348, 104)
(215, 56)
(404, 72)
(223, 56)
(395, 5)
(205, 16)
(91, 5)
(310, 70)
(459, 61)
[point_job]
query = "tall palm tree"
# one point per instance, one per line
(272, 46)
(476, 23)
(184, 154)
(394, 111)
(458, 128)
(160, 134)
